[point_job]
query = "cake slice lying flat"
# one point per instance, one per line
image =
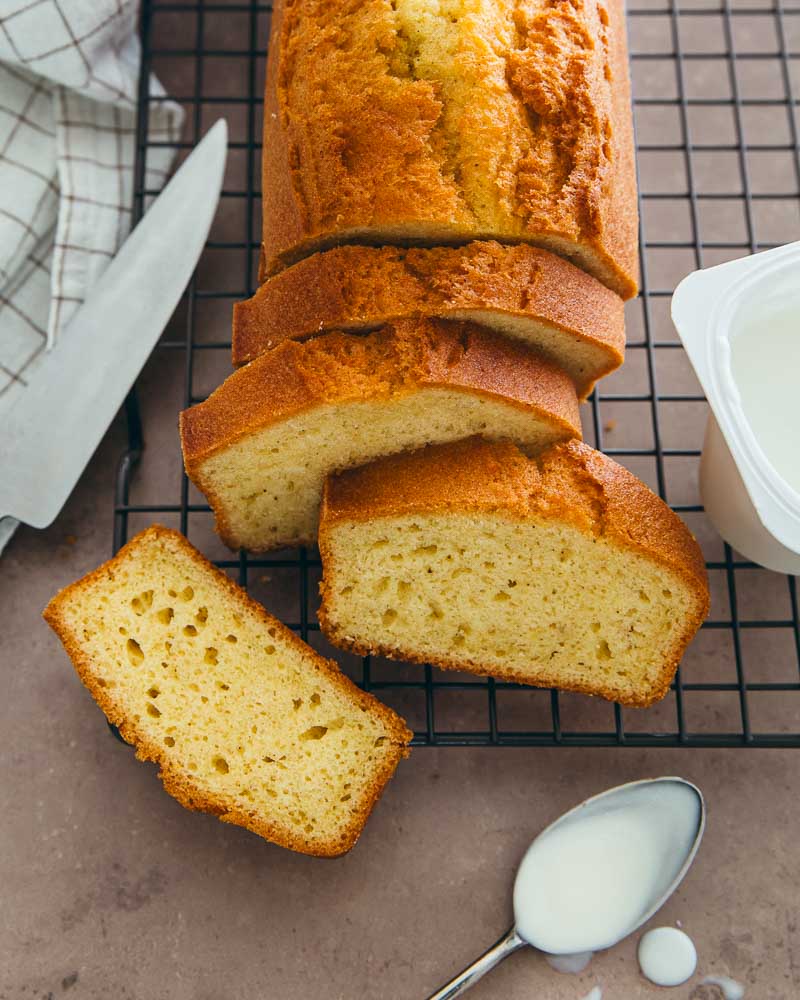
(246, 721)
(561, 571)
(261, 445)
(517, 291)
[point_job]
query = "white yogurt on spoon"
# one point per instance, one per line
(593, 877)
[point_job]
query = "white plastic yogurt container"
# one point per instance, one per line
(740, 325)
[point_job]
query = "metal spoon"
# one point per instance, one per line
(686, 833)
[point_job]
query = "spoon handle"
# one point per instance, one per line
(507, 944)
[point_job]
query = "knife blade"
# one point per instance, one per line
(55, 425)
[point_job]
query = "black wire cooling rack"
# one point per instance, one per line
(717, 120)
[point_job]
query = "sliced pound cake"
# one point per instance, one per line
(423, 122)
(261, 445)
(518, 291)
(562, 570)
(245, 720)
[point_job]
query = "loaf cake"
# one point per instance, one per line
(519, 291)
(561, 570)
(245, 720)
(261, 445)
(420, 122)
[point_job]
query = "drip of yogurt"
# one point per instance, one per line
(593, 877)
(667, 956)
(570, 963)
(731, 990)
(595, 993)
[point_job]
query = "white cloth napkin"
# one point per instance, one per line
(69, 72)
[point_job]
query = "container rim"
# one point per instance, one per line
(757, 469)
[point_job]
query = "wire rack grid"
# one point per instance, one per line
(717, 120)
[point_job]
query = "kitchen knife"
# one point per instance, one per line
(54, 427)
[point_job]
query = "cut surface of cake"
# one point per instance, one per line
(562, 570)
(245, 720)
(261, 445)
(518, 291)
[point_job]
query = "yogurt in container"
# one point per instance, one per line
(740, 325)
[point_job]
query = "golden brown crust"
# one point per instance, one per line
(365, 287)
(179, 784)
(622, 216)
(398, 358)
(521, 132)
(569, 482)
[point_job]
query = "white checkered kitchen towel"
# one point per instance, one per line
(69, 74)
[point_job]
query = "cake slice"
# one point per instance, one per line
(562, 570)
(261, 445)
(245, 720)
(517, 291)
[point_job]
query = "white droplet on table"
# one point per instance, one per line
(594, 994)
(730, 988)
(667, 956)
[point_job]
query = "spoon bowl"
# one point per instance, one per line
(599, 872)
